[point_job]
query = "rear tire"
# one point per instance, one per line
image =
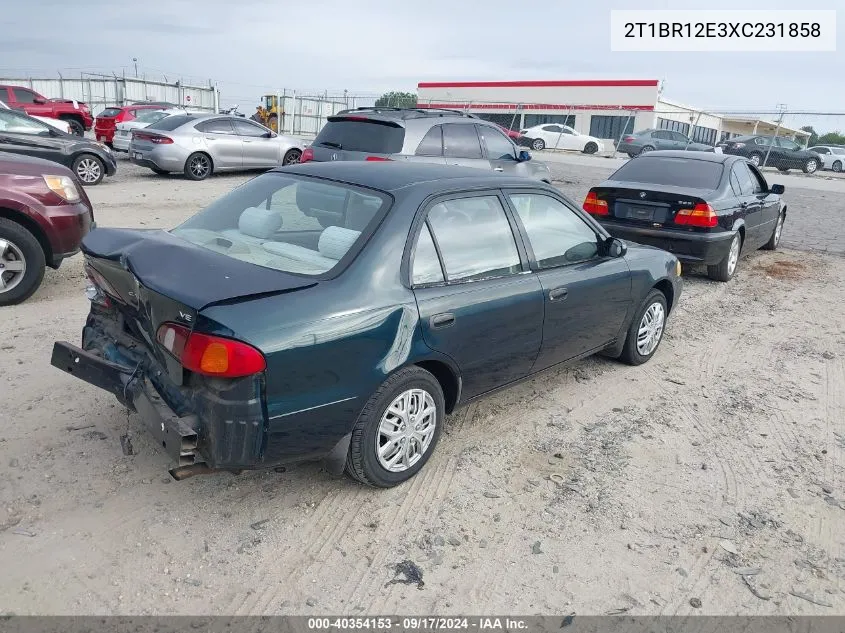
(538, 144)
(646, 149)
(198, 166)
(292, 157)
(591, 148)
(646, 329)
(774, 240)
(76, 127)
(725, 269)
(837, 166)
(89, 169)
(364, 463)
(19, 245)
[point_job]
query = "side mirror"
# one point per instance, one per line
(777, 189)
(616, 247)
(269, 135)
(523, 156)
(39, 100)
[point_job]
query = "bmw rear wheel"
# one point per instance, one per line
(725, 269)
(397, 430)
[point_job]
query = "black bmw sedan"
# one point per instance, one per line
(341, 310)
(705, 208)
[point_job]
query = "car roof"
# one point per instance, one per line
(392, 176)
(708, 157)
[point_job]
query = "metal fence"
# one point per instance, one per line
(103, 91)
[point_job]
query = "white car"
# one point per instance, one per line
(123, 131)
(63, 126)
(556, 136)
(833, 158)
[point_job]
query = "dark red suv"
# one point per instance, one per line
(44, 214)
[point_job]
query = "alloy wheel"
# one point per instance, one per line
(89, 170)
(778, 229)
(755, 160)
(733, 255)
(199, 166)
(12, 265)
(812, 165)
(406, 430)
(651, 329)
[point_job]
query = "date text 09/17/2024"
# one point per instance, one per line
(421, 623)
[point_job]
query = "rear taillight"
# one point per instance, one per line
(377, 159)
(162, 140)
(152, 138)
(700, 215)
(629, 139)
(98, 288)
(738, 145)
(307, 155)
(594, 206)
(210, 355)
(121, 117)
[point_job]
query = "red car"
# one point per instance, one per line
(44, 214)
(107, 120)
(75, 113)
(514, 134)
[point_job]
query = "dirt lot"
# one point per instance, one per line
(708, 481)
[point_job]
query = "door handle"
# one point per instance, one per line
(498, 169)
(442, 320)
(247, 141)
(558, 294)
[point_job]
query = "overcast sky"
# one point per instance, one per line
(366, 46)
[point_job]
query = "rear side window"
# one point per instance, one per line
(362, 136)
(109, 112)
(426, 269)
(23, 96)
(492, 250)
(461, 141)
(432, 143)
(678, 172)
(170, 123)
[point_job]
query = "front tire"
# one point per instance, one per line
(646, 329)
(725, 269)
(538, 144)
(198, 166)
(591, 148)
(89, 169)
(22, 263)
(774, 240)
(810, 166)
(76, 127)
(397, 430)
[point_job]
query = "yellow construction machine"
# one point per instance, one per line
(269, 112)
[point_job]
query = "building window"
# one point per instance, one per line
(675, 126)
(508, 121)
(602, 126)
(541, 119)
(704, 135)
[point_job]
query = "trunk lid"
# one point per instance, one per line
(153, 277)
(647, 204)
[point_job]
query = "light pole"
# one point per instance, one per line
(135, 61)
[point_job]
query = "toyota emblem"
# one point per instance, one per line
(642, 194)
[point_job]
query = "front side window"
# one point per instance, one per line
(242, 128)
(745, 179)
(787, 144)
(475, 238)
(498, 145)
(297, 225)
(12, 122)
(556, 233)
(23, 96)
(552, 128)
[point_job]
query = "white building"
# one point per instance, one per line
(604, 108)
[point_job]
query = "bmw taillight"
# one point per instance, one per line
(594, 206)
(701, 215)
(210, 355)
(307, 155)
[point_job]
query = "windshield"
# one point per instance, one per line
(677, 172)
(293, 224)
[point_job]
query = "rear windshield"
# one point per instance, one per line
(109, 112)
(361, 136)
(170, 123)
(149, 116)
(678, 172)
(298, 225)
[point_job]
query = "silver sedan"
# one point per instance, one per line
(199, 145)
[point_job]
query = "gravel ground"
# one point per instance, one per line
(709, 480)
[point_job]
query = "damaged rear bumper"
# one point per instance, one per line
(177, 435)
